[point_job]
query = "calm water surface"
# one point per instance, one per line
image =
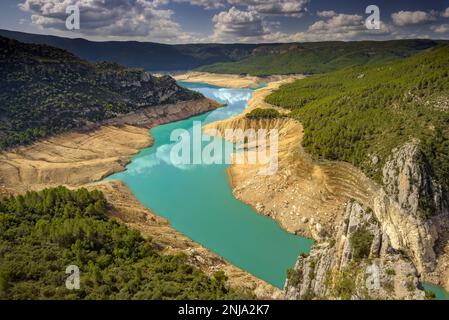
(198, 200)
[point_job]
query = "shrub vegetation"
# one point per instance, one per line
(41, 233)
(263, 114)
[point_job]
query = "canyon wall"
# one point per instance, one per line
(406, 216)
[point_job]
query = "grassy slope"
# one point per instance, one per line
(41, 233)
(319, 57)
(353, 113)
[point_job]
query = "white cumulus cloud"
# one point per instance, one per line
(206, 4)
(294, 8)
(446, 13)
(120, 18)
(444, 28)
(407, 18)
(237, 24)
(326, 14)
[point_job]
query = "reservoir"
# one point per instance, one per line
(198, 200)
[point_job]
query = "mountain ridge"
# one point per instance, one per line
(47, 90)
(236, 58)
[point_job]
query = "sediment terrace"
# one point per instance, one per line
(81, 159)
(88, 155)
(306, 197)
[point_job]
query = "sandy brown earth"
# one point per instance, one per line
(72, 159)
(304, 196)
(77, 158)
(227, 80)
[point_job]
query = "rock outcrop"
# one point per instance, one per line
(405, 222)
(410, 204)
(359, 263)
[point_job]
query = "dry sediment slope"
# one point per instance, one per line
(305, 197)
(227, 80)
(77, 158)
(311, 198)
(127, 209)
(81, 158)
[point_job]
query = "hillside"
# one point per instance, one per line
(319, 57)
(147, 55)
(253, 59)
(359, 115)
(44, 232)
(44, 90)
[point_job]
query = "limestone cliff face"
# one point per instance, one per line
(411, 206)
(359, 263)
(310, 198)
(404, 221)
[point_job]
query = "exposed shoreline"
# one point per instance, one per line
(316, 206)
(82, 158)
(229, 80)
(90, 154)
(305, 197)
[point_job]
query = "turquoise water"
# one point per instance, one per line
(440, 293)
(198, 201)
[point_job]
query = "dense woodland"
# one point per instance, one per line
(319, 57)
(259, 113)
(361, 114)
(41, 233)
(44, 90)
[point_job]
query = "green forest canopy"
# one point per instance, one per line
(319, 57)
(41, 233)
(357, 113)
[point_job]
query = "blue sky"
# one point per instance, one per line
(246, 21)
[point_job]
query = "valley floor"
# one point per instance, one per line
(81, 159)
(305, 197)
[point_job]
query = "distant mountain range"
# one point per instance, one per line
(320, 57)
(254, 59)
(147, 55)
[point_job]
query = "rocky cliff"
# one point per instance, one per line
(412, 205)
(399, 227)
(386, 246)
(357, 263)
